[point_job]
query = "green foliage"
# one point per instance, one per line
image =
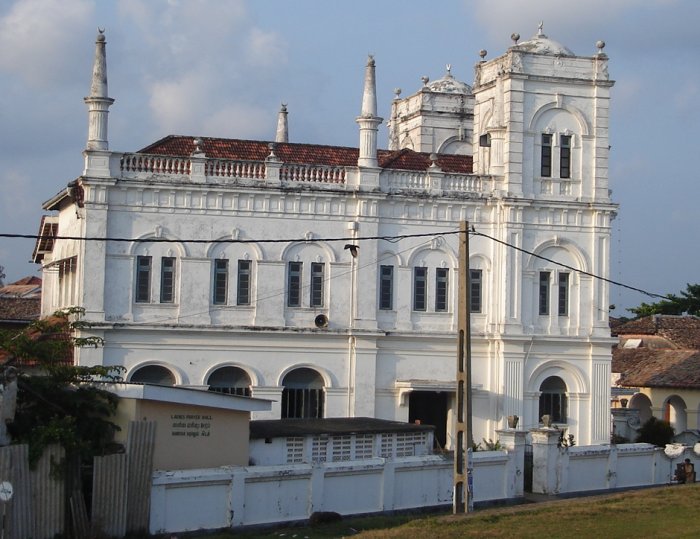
(687, 302)
(656, 431)
(489, 445)
(564, 440)
(58, 402)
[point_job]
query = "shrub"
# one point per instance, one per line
(656, 431)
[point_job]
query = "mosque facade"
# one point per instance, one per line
(325, 278)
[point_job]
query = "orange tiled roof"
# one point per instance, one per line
(316, 154)
(661, 351)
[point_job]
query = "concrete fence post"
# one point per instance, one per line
(514, 441)
(545, 461)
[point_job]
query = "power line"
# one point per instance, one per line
(392, 239)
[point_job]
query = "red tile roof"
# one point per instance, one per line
(19, 309)
(663, 351)
(316, 154)
(27, 287)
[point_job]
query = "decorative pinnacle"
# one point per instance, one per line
(425, 80)
(397, 93)
(482, 54)
(540, 29)
(515, 37)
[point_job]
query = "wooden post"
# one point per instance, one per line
(462, 501)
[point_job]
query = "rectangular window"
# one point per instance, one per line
(565, 157)
(143, 279)
(316, 298)
(294, 285)
(546, 156)
(419, 288)
(386, 287)
(544, 292)
(563, 294)
(441, 287)
(220, 281)
(167, 279)
(243, 291)
(475, 291)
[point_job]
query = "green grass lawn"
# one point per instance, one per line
(658, 512)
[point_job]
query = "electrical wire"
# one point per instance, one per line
(392, 239)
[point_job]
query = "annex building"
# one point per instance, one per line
(324, 278)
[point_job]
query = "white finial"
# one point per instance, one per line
(425, 80)
(482, 54)
(282, 134)
(397, 93)
(368, 119)
(515, 36)
(98, 101)
(449, 69)
(540, 27)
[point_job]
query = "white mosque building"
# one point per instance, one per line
(324, 278)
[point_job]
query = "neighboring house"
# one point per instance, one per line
(657, 361)
(20, 303)
(236, 275)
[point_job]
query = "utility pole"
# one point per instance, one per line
(463, 498)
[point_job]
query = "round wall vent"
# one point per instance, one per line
(321, 321)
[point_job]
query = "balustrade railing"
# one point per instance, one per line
(157, 164)
(235, 169)
(311, 173)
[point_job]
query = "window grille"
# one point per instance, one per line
(342, 448)
(167, 279)
(441, 287)
(316, 299)
(419, 288)
(475, 291)
(364, 446)
(143, 279)
(295, 449)
(294, 284)
(544, 293)
(243, 291)
(220, 281)
(319, 448)
(386, 287)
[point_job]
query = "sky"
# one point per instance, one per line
(222, 68)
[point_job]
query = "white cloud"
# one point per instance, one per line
(266, 48)
(38, 38)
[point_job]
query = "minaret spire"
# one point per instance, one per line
(98, 102)
(368, 119)
(282, 125)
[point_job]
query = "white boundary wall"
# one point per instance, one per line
(599, 467)
(188, 500)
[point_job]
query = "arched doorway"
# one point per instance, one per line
(303, 394)
(153, 374)
(675, 413)
(230, 380)
(553, 400)
(641, 402)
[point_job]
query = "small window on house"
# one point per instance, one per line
(153, 374)
(167, 279)
(553, 399)
(143, 279)
(419, 288)
(294, 284)
(475, 291)
(303, 395)
(441, 288)
(544, 293)
(386, 287)
(546, 156)
(243, 290)
(563, 294)
(316, 298)
(230, 380)
(565, 157)
(220, 281)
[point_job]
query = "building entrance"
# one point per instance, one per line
(430, 408)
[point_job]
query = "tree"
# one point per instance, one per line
(59, 402)
(656, 431)
(687, 302)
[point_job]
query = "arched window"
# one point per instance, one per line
(641, 402)
(230, 380)
(553, 400)
(675, 413)
(303, 395)
(154, 374)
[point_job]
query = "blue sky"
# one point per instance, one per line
(221, 68)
